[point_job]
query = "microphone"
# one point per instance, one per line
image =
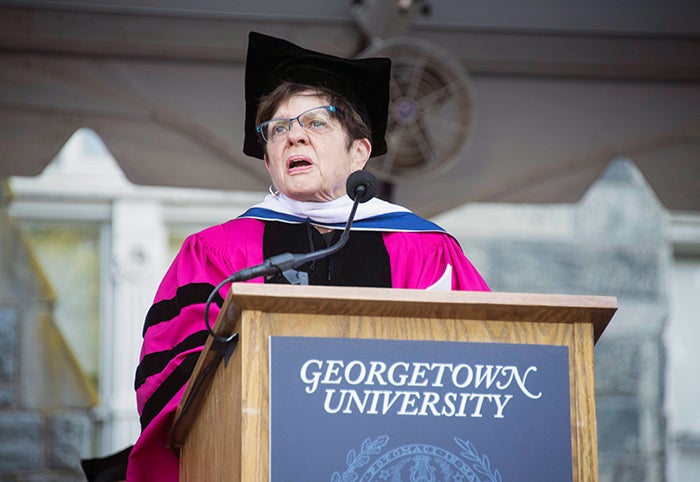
(362, 185)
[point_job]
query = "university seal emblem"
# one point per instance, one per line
(416, 463)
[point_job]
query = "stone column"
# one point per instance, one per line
(139, 247)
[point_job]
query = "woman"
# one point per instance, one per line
(316, 121)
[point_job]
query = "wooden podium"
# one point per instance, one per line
(222, 426)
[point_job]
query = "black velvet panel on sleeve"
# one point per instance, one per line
(363, 261)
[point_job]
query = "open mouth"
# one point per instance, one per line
(297, 163)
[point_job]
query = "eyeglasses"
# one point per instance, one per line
(317, 120)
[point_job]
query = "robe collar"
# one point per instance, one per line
(373, 215)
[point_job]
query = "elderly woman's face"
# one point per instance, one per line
(312, 166)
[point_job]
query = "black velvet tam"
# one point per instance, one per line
(271, 61)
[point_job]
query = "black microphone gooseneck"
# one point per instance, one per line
(361, 186)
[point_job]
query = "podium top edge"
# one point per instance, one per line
(533, 307)
(246, 293)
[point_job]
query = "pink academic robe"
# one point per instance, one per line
(175, 330)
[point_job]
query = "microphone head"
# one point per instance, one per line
(361, 185)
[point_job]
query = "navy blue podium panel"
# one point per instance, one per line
(361, 410)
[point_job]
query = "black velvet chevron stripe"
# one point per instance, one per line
(155, 362)
(190, 294)
(167, 390)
